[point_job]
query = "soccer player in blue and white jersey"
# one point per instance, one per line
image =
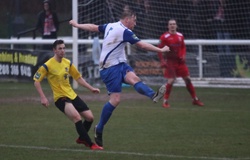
(114, 69)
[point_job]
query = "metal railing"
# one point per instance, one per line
(33, 30)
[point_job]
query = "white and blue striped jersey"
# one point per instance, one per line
(113, 48)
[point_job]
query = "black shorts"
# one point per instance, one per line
(78, 103)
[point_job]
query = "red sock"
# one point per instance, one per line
(168, 91)
(191, 90)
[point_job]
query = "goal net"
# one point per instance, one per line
(216, 63)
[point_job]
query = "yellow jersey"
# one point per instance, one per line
(57, 74)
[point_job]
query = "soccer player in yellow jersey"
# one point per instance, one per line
(57, 70)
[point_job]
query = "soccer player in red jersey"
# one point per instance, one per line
(173, 63)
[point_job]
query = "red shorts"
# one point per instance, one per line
(174, 70)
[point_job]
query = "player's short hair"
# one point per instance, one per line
(46, 1)
(127, 13)
(172, 19)
(57, 42)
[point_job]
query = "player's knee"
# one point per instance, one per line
(76, 117)
(90, 119)
(88, 116)
(115, 101)
(187, 80)
(171, 81)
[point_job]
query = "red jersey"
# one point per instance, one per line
(176, 44)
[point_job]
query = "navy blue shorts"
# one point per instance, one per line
(78, 103)
(114, 76)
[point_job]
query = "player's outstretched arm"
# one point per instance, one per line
(150, 47)
(86, 27)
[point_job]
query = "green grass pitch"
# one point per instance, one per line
(137, 130)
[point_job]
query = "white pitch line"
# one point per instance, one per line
(119, 152)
